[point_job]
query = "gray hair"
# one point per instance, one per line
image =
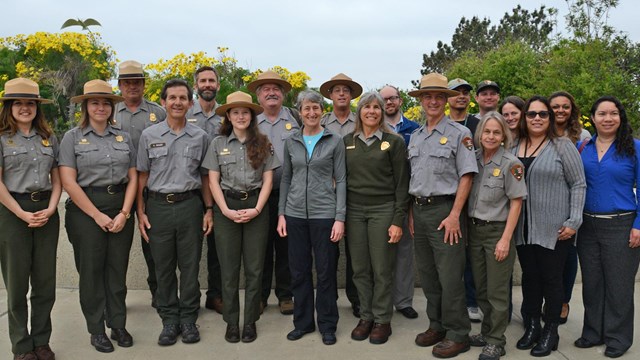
(506, 132)
(311, 96)
(366, 99)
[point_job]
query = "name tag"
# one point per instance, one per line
(156, 145)
(351, 147)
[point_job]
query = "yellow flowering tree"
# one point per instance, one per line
(60, 63)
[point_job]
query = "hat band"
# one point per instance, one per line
(22, 95)
(123, 76)
(436, 88)
(98, 93)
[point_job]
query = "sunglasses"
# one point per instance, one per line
(532, 114)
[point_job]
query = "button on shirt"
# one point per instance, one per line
(210, 124)
(331, 123)
(26, 161)
(100, 160)
(440, 158)
(496, 183)
(172, 160)
(147, 114)
(277, 132)
(228, 156)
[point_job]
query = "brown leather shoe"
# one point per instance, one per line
(44, 352)
(26, 356)
(362, 330)
(449, 348)
(429, 337)
(380, 333)
(214, 303)
(286, 307)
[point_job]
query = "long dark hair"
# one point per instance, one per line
(84, 112)
(8, 122)
(551, 130)
(624, 135)
(573, 127)
(258, 145)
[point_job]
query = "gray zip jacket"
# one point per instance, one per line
(315, 187)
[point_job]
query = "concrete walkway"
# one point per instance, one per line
(71, 341)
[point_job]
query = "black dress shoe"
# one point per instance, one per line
(356, 310)
(613, 353)
(169, 335)
(408, 312)
(233, 334)
(102, 343)
(122, 336)
(249, 333)
(297, 334)
(329, 338)
(190, 333)
(583, 343)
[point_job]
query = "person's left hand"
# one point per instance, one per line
(207, 222)
(451, 225)
(565, 233)
(337, 231)
(634, 238)
(395, 234)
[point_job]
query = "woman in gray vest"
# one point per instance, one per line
(29, 192)
(97, 168)
(312, 211)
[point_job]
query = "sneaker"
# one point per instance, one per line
(492, 352)
(477, 340)
(190, 333)
(475, 314)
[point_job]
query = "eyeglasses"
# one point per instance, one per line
(391, 98)
(533, 114)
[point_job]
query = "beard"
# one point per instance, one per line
(208, 95)
(392, 113)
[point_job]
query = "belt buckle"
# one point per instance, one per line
(243, 195)
(170, 199)
(110, 190)
(35, 196)
(429, 199)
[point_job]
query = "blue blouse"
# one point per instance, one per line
(611, 181)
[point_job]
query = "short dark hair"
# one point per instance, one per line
(175, 83)
(203, 69)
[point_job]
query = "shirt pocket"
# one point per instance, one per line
(492, 190)
(440, 159)
(412, 154)
(15, 157)
(121, 153)
(227, 163)
(48, 158)
(86, 155)
(158, 155)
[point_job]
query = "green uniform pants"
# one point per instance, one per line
(28, 255)
(491, 278)
(236, 244)
(102, 260)
(176, 240)
(441, 268)
(373, 259)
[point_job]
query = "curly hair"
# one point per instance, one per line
(8, 122)
(624, 135)
(258, 145)
(572, 128)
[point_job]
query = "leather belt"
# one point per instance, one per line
(241, 195)
(610, 216)
(110, 189)
(480, 222)
(432, 200)
(173, 197)
(35, 196)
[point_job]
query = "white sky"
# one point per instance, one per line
(375, 42)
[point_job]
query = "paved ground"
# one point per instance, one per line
(71, 341)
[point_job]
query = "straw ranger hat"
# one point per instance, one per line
(268, 77)
(97, 89)
(23, 89)
(433, 82)
(238, 99)
(130, 69)
(341, 79)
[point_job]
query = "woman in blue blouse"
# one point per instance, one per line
(609, 239)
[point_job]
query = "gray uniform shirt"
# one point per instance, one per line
(438, 160)
(331, 123)
(147, 114)
(172, 160)
(26, 161)
(100, 160)
(228, 156)
(210, 124)
(277, 132)
(496, 183)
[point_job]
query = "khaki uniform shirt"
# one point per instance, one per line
(331, 123)
(495, 184)
(277, 132)
(210, 124)
(172, 160)
(26, 161)
(438, 160)
(100, 160)
(228, 156)
(147, 114)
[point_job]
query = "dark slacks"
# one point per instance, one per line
(542, 279)
(309, 240)
(609, 267)
(102, 260)
(28, 256)
(213, 268)
(276, 259)
(570, 272)
(176, 241)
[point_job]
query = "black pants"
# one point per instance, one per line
(214, 287)
(542, 270)
(276, 257)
